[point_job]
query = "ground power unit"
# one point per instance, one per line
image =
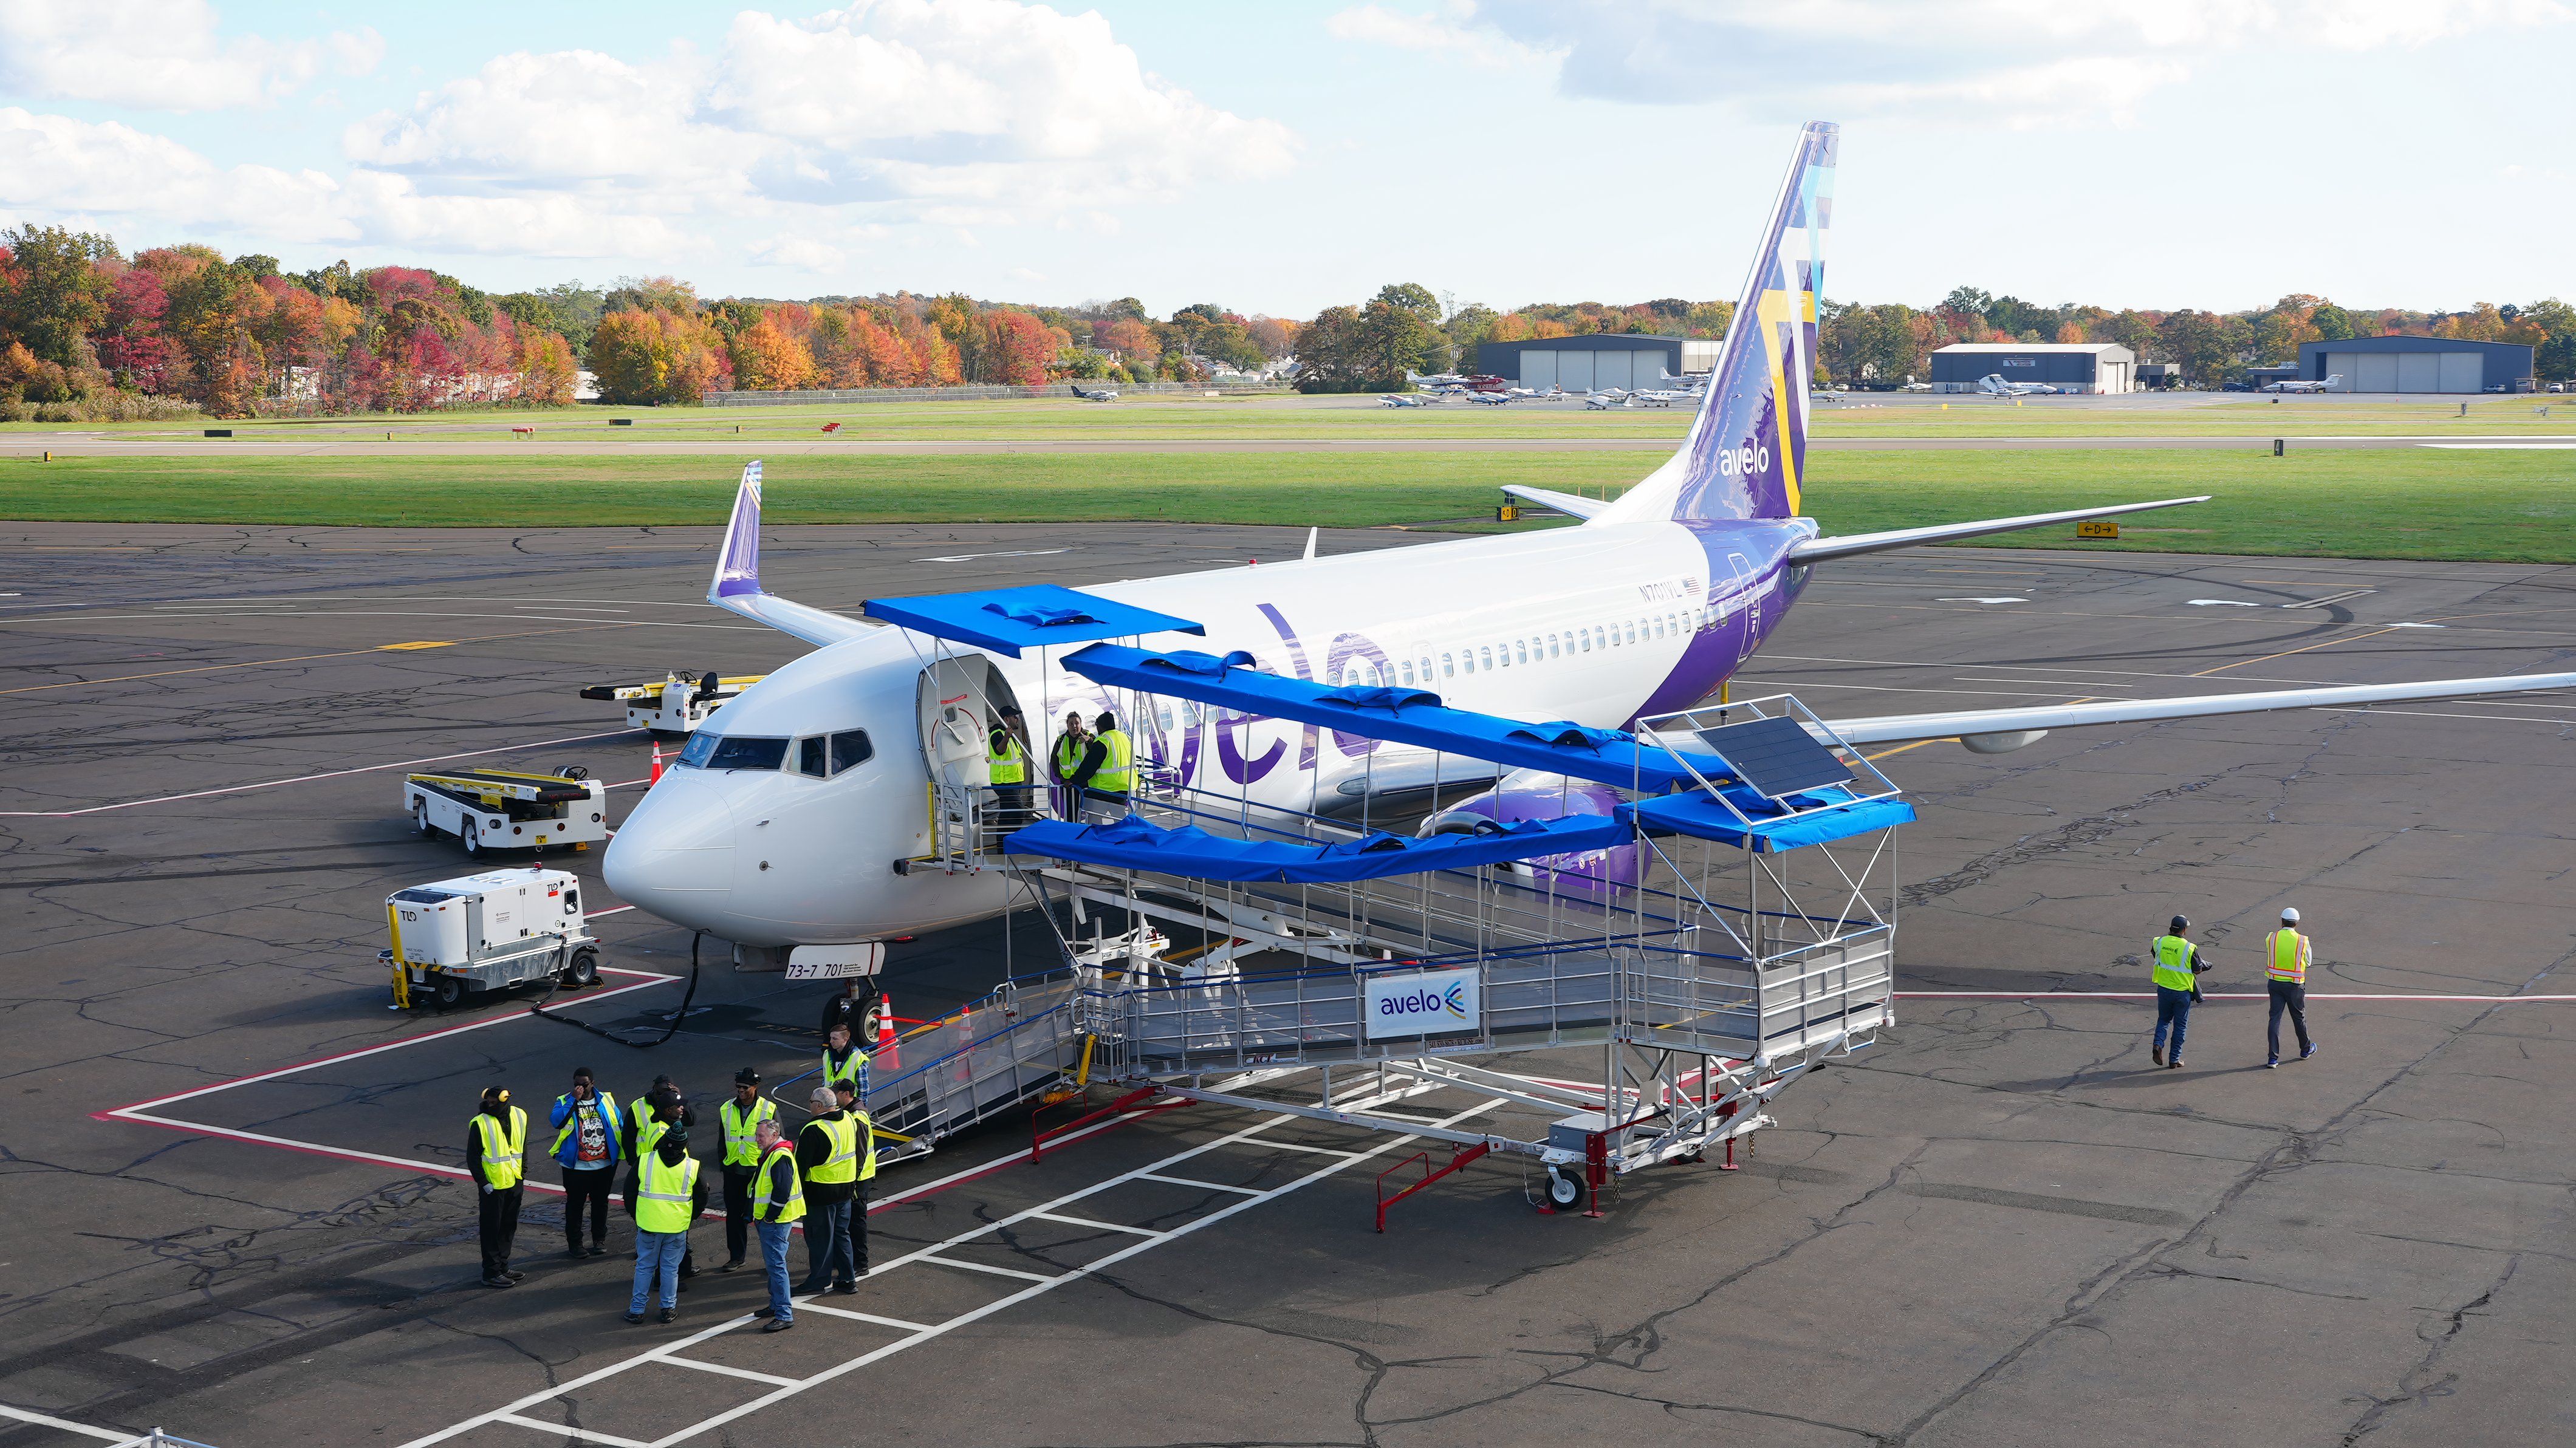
(454, 939)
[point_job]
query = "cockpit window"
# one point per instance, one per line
(851, 747)
(722, 751)
(810, 756)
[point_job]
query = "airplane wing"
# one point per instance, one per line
(1817, 550)
(1993, 731)
(737, 580)
(1562, 502)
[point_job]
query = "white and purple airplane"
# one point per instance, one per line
(785, 820)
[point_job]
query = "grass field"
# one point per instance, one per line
(1360, 418)
(2516, 506)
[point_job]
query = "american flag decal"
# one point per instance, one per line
(1690, 585)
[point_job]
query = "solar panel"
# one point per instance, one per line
(1775, 756)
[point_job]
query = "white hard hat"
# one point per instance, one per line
(2289, 917)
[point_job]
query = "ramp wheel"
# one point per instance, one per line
(420, 819)
(450, 992)
(473, 839)
(1564, 1192)
(583, 968)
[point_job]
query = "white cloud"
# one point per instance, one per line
(159, 55)
(798, 254)
(1978, 62)
(571, 115)
(1449, 31)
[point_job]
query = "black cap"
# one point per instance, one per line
(2180, 924)
(1010, 711)
(746, 1077)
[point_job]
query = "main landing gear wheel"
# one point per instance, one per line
(473, 839)
(1564, 1190)
(450, 992)
(583, 968)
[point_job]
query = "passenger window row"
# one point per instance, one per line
(1539, 648)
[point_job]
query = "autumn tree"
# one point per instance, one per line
(54, 292)
(767, 359)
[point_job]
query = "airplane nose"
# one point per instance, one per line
(674, 855)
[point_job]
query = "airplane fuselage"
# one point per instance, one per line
(1596, 624)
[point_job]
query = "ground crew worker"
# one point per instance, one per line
(741, 1118)
(777, 1205)
(496, 1145)
(642, 1118)
(1074, 749)
(664, 1196)
(844, 1061)
(2178, 965)
(670, 1117)
(586, 1147)
(1108, 768)
(827, 1154)
(1006, 762)
(2286, 957)
(866, 1132)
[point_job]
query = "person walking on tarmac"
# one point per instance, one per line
(741, 1118)
(844, 1061)
(2286, 957)
(664, 1196)
(1108, 770)
(496, 1146)
(777, 1205)
(2178, 965)
(827, 1156)
(866, 1133)
(587, 1128)
(1074, 750)
(1006, 763)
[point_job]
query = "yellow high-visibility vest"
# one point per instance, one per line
(664, 1192)
(866, 1132)
(843, 1164)
(1007, 765)
(791, 1207)
(607, 1113)
(2173, 962)
(2290, 954)
(741, 1145)
(1068, 755)
(848, 1070)
(504, 1148)
(1117, 770)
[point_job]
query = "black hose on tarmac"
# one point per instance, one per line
(682, 1014)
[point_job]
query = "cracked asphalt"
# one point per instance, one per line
(1998, 1226)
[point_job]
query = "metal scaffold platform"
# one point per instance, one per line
(1709, 903)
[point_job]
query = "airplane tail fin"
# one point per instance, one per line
(1747, 449)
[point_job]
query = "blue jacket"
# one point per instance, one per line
(567, 1145)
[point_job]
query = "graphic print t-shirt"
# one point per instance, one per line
(590, 1135)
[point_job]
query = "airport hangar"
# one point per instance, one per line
(1603, 359)
(2417, 364)
(2067, 366)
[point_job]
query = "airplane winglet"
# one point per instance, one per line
(737, 584)
(738, 562)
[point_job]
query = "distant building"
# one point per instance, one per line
(2158, 376)
(2417, 364)
(1629, 360)
(2076, 366)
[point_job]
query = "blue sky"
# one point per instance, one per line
(1281, 157)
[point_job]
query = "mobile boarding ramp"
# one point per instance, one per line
(1727, 924)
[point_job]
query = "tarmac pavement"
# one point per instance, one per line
(1998, 1226)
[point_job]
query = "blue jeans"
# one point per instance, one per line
(2173, 1007)
(827, 1245)
(657, 1259)
(773, 1259)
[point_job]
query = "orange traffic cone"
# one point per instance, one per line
(885, 1023)
(657, 766)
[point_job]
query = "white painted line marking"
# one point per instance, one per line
(2223, 603)
(583, 1435)
(24, 1415)
(980, 1267)
(1015, 553)
(1318, 1150)
(773, 1379)
(1981, 600)
(58, 814)
(1149, 1176)
(1096, 1226)
(2331, 598)
(897, 1323)
(2148, 995)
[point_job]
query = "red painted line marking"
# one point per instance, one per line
(58, 814)
(2116, 995)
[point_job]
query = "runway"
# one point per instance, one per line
(235, 1170)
